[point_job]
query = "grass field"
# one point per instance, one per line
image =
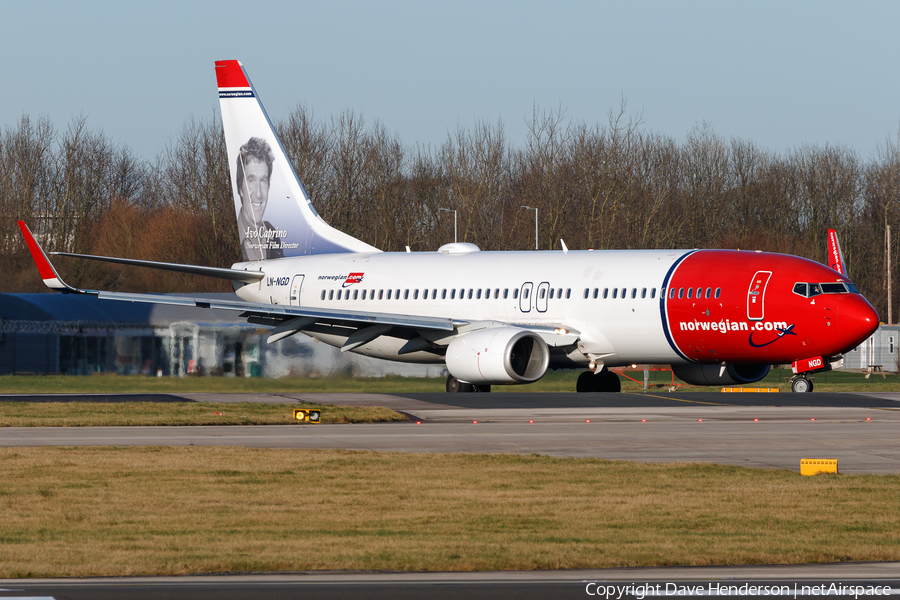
(109, 414)
(553, 381)
(130, 511)
(67, 512)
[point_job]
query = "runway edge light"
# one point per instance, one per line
(308, 415)
(814, 466)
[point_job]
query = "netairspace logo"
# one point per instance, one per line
(681, 590)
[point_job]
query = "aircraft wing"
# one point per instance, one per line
(288, 320)
(268, 314)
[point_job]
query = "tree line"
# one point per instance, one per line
(615, 184)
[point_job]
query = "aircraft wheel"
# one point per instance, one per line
(801, 385)
(455, 386)
(605, 381)
(586, 383)
(610, 382)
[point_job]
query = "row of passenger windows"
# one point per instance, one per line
(623, 293)
(452, 294)
(497, 293)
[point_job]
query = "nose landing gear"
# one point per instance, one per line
(801, 384)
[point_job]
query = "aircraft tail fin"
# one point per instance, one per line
(275, 216)
(835, 256)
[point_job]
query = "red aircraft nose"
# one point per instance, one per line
(857, 320)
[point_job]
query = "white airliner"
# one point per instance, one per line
(717, 316)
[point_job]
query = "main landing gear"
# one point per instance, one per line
(455, 386)
(801, 384)
(604, 381)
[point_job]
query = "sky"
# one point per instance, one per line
(780, 74)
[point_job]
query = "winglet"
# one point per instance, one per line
(51, 278)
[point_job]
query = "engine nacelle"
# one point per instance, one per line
(498, 355)
(710, 374)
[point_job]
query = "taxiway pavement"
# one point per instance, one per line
(754, 430)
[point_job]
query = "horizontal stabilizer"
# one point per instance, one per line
(230, 274)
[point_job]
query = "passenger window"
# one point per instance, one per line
(505, 293)
(380, 294)
(542, 293)
(690, 293)
(596, 291)
(671, 293)
(559, 292)
(424, 294)
(406, 294)
(444, 294)
(633, 293)
(415, 294)
(356, 294)
(516, 294)
(462, 294)
(527, 294)
(339, 294)
(718, 291)
(643, 293)
(470, 293)
(586, 292)
(623, 293)
(496, 293)
(709, 292)
(389, 295)
(568, 293)
(680, 293)
(615, 292)
(364, 294)
(551, 293)
(323, 294)
(453, 294)
(653, 293)
(396, 295)
(605, 293)
(478, 294)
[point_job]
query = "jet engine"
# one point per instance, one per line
(498, 355)
(716, 375)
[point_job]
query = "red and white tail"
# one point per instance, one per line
(835, 256)
(275, 216)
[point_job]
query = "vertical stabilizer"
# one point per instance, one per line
(275, 216)
(835, 256)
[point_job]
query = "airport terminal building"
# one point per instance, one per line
(80, 335)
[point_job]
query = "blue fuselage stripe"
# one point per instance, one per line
(662, 306)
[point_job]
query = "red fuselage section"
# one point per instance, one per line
(744, 307)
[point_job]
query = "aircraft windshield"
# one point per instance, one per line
(808, 290)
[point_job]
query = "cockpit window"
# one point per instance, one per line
(808, 290)
(834, 288)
